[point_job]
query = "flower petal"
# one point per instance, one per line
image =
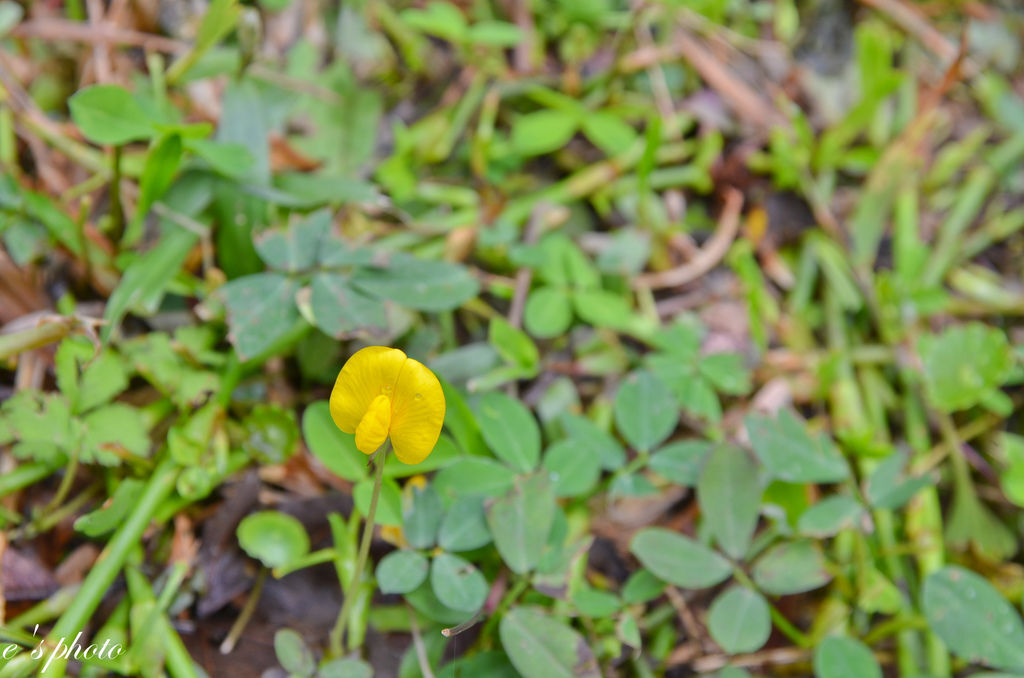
(373, 428)
(417, 412)
(370, 372)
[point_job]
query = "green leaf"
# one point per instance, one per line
(230, 159)
(39, 425)
(974, 620)
(732, 672)
(964, 364)
(679, 560)
(642, 587)
(542, 647)
(489, 663)
(243, 123)
(548, 312)
(474, 475)
(841, 657)
(512, 344)
(726, 372)
(389, 504)
(144, 281)
(295, 247)
(890, 486)
(344, 668)
(274, 538)
(194, 483)
(108, 114)
(602, 308)
(104, 519)
(401, 571)
(338, 308)
(418, 283)
(444, 454)
(694, 393)
(970, 522)
(521, 520)
(464, 527)
(830, 516)
(162, 163)
(645, 410)
(422, 517)
(790, 453)
(510, 430)
(595, 603)
(292, 652)
(681, 462)
(460, 420)
(729, 495)
(495, 34)
(440, 19)
(573, 468)
(261, 310)
(739, 620)
(609, 132)
(543, 131)
(270, 434)
(110, 428)
(425, 601)
(793, 567)
(335, 450)
(458, 583)
(585, 433)
(103, 375)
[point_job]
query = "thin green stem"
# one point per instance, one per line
(101, 577)
(338, 632)
(245, 615)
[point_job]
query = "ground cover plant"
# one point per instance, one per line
(697, 324)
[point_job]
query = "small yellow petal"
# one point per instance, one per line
(370, 372)
(393, 535)
(373, 428)
(417, 412)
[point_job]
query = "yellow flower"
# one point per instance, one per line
(379, 393)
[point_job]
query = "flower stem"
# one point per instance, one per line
(338, 632)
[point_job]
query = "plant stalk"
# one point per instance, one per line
(338, 632)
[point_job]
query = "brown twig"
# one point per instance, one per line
(100, 49)
(782, 655)
(746, 102)
(909, 19)
(686, 616)
(417, 641)
(61, 30)
(709, 255)
(525, 274)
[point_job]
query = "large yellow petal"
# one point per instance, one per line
(370, 372)
(417, 412)
(373, 428)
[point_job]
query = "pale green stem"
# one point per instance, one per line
(338, 632)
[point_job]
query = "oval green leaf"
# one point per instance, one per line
(729, 495)
(542, 647)
(739, 620)
(646, 412)
(841, 657)
(273, 538)
(974, 620)
(510, 430)
(401, 571)
(679, 560)
(457, 583)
